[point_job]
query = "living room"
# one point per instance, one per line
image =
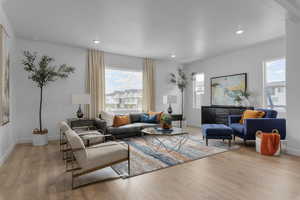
(173, 55)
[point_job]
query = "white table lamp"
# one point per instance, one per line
(170, 99)
(79, 99)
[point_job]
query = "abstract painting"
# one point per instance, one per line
(225, 89)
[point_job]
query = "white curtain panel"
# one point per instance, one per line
(95, 83)
(148, 85)
(2, 63)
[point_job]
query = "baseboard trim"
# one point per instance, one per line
(193, 126)
(6, 154)
(27, 140)
(293, 151)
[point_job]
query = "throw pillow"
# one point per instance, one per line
(158, 115)
(248, 114)
(108, 117)
(149, 118)
(121, 120)
(135, 117)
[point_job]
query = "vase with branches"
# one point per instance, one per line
(181, 80)
(42, 72)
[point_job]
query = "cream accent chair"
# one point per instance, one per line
(89, 137)
(90, 159)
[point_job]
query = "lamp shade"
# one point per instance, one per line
(81, 99)
(169, 99)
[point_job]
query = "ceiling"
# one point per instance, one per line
(191, 29)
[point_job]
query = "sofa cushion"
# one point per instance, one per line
(121, 120)
(158, 115)
(108, 117)
(124, 130)
(135, 117)
(268, 113)
(237, 127)
(149, 118)
(250, 114)
(102, 154)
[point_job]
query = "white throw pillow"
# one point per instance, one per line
(108, 117)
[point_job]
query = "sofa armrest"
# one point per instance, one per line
(234, 119)
(265, 125)
(100, 124)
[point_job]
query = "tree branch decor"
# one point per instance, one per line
(181, 80)
(42, 72)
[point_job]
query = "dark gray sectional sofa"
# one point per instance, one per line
(129, 130)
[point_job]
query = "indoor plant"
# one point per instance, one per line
(166, 121)
(42, 72)
(180, 80)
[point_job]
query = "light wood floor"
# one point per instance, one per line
(38, 173)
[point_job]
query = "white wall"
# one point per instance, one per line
(247, 60)
(293, 92)
(7, 137)
(163, 87)
(57, 96)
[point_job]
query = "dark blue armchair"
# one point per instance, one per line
(248, 130)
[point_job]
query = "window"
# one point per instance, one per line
(123, 90)
(198, 89)
(275, 84)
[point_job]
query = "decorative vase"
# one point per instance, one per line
(40, 138)
(166, 121)
(170, 109)
(165, 125)
(79, 112)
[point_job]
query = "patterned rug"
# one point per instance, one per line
(151, 153)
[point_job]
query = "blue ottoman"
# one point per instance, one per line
(217, 131)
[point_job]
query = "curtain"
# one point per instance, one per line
(2, 63)
(95, 83)
(148, 85)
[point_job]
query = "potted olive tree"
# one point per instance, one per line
(42, 72)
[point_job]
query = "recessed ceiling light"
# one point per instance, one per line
(173, 56)
(96, 41)
(239, 32)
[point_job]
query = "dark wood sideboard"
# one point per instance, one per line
(219, 114)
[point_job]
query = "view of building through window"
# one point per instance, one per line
(198, 89)
(275, 87)
(123, 90)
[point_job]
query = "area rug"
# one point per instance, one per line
(148, 153)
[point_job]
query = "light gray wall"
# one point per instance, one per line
(163, 87)
(7, 136)
(249, 60)
(57, 96)
(293, 91)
